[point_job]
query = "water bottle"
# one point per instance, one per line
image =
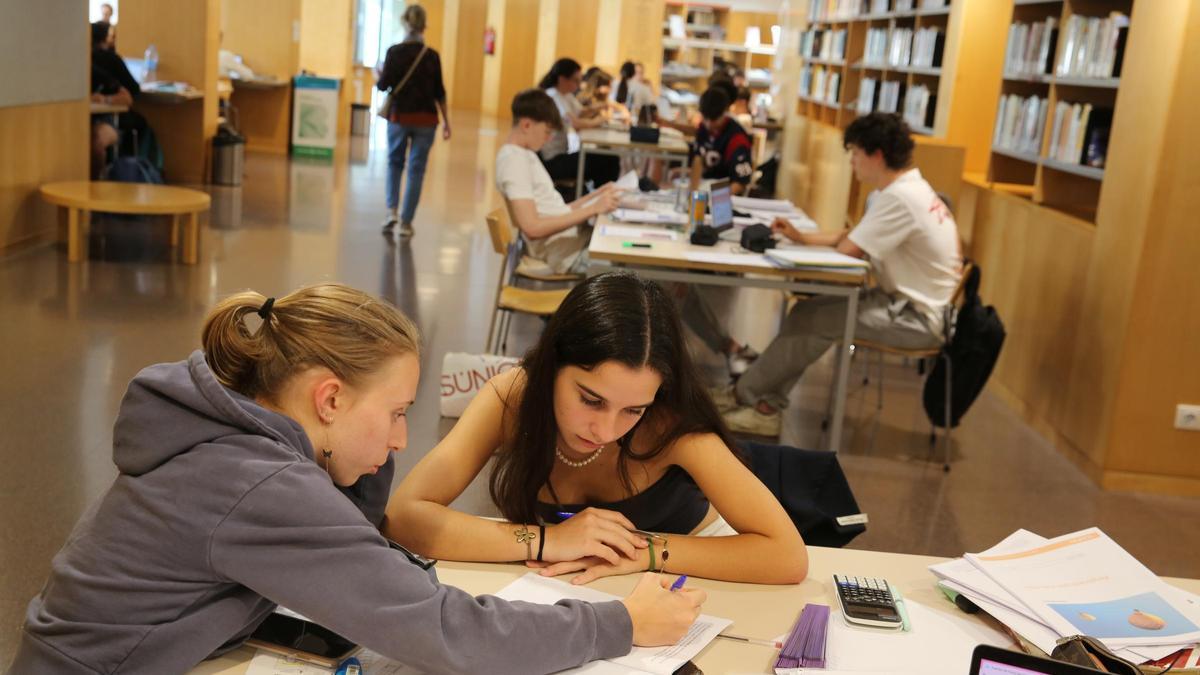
(151, 58)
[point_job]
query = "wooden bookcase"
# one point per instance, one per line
(712, 32)
(852, 68)
(1068, 187)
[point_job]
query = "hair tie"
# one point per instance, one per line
(265, 311)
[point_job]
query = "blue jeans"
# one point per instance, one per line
(417, 141)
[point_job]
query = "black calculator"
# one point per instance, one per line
(868, 602)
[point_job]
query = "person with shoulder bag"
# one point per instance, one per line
(412, 75)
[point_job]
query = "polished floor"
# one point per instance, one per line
(73, 335)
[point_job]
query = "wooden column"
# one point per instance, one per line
(186, 33)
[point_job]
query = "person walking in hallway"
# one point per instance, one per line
(412, 74)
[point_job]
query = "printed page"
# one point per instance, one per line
(1085, 583)
(963, 573)
(662, 660)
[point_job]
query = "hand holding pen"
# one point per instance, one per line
(660, 615)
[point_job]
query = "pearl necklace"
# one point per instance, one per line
(581, 463)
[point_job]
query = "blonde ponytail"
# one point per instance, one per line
(332, 325)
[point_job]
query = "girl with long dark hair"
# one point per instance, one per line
(605, 434)
(561, 153)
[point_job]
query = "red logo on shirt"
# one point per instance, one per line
(938, 208)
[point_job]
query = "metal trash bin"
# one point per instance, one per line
(229, 156)
(360, 119)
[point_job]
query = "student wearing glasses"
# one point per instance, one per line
(255, 473)
(604, 435)
(561, 152)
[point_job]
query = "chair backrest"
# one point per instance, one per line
(500, 231)
(957, 298)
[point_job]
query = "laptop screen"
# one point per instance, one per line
(989, 660)
(721, 204)
(989, 667)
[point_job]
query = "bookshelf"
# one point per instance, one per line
(874, 55)
(696, 35)
(1061, 80)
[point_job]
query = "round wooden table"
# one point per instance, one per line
(81, 197)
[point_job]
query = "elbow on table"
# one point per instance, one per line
(793, 563)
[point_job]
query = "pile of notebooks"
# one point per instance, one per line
(805, 645)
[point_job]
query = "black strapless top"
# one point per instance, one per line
(674, 504)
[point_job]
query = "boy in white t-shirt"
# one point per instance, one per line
(546, 222)
(912, 241)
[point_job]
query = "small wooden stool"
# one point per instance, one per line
(81, 197)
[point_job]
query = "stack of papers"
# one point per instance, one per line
(640, 660)
(814, 256)
(1081, 583)
(647, 216)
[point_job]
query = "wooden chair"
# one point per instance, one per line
(511, 299)
(531, 269)
(881, 349)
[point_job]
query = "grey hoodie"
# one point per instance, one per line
(220, 512)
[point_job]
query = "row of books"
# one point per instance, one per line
(1030, 47)
(900, 47)
(875, 49)
(847, 10)
(920, 104)
(1093, 46)
(1020, 123)
(1080, 133)
(927, 47)
(823, 44)
(820, 84)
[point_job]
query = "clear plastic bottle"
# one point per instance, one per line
(151, 57)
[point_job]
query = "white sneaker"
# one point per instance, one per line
(740, 361)
(389, 224)
(406, 230)
(748, 420)
(724, 397)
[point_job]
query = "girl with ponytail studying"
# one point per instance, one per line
(605, 434)
(255, 473)
(560, 154)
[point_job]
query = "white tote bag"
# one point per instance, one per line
(463, 375)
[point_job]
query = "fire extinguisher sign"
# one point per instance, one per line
(489, 41)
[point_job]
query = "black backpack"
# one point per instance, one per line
(973, 351)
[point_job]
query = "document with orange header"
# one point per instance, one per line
(1085, 583)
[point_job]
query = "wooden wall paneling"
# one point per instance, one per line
(324, 29)
(546, 46)
(264, 117)
(1149, 75)
(972, 66)
(465, 89)
(1158, 368)
(263, 33)
(492, 63)
(42, 144)
(435, 19)
(520, 30)
(575, 28)
(641, 36)
(186, 34)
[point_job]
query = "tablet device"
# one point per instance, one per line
(988, 660)
(301, 640)
(721, 205)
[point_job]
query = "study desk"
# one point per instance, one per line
(615, 143)
(719, 266)
(106, 108)
(757, 611)
(170, 97)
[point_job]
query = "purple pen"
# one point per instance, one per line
(679, 583)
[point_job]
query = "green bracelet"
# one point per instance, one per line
(650, 545)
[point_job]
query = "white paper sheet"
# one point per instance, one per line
(646, 216)
(662, 660)
(627, 232)
(757, 204)
(1084, 582)
(937, 645)
(720, 258)
(266, 663)
(629, 181)
(815, 256)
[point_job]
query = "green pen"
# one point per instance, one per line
(635, 244)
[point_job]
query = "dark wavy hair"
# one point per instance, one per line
(881, 131)
(618, 317)
(628, 70)
(564, 67)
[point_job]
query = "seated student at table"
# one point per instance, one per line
(913, 244)
(256, 472)
(605, 419)
(633, 91)
(740, 109)
(599, 103)
(544, 219)
(112, 84)
(722, 147)
(561, 152)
